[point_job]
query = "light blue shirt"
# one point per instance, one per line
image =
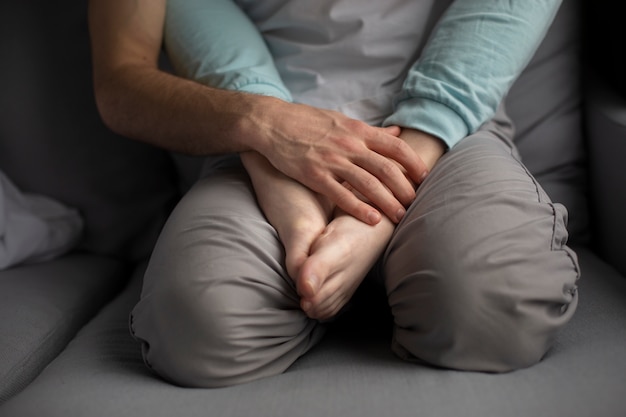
(384, 63)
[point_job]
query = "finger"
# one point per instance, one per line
(390, 175)
(328, 302)
(346, 200)
(375, 192)
(395, 148)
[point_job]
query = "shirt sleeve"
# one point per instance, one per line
(475, 53)
(213, 42)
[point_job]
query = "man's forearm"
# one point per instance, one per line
(173, 113)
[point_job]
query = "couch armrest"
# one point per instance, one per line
(606, 134)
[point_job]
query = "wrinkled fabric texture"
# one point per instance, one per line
(484, 288)
(204, 43)
(439, 66)
(469, 65)
(34, 228)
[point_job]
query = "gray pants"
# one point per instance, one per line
(477, 275)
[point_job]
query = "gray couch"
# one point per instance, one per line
(65, 348)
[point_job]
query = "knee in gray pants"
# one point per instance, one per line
(217, 308)
(478, 274)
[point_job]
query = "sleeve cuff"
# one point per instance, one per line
(431, 117)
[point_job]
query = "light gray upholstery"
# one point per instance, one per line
(351, 373)
(43, 305)
(52, 142)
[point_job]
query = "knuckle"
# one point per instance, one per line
(344, 144)
(370, 183)
(314, 175)
(333, 159)
(356, 126)
(344, 199)
(398, 146)
(388, 169)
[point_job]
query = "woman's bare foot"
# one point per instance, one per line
(339, 260)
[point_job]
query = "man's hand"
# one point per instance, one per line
(324, 149)
(345, 251)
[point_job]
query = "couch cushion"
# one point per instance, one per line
(351, 373)
(606, 124)
(43, 305)
(53, 142)
(546, 105)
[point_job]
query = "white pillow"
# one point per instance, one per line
(33, 227)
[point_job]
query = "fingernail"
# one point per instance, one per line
(373, 217)
(313, 282)
(306, 305)
(400, 214)
(424, 175)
